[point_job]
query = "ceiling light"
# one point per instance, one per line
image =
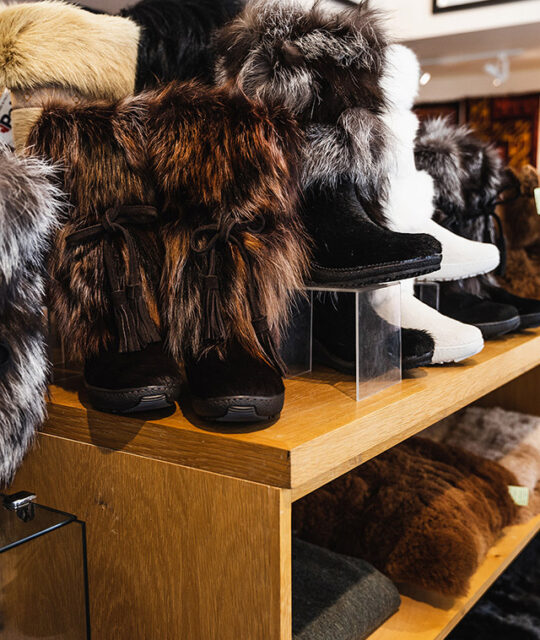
(425, 78)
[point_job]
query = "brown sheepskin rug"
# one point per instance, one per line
(510, 438)
(423, 513)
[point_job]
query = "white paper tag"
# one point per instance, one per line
(6, 132)
(520, 495)
(537, 199)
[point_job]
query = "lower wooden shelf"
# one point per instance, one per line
(418, 620)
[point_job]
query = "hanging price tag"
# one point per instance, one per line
(537, 199)
(520, 495)
(6, 132)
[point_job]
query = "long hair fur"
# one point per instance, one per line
(220, 159)
(176, 38)
(52, 43)
(326, 68)
(102, 148)
(30, 208)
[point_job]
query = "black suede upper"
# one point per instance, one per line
(345, 237)
(240, 374)
(525, 306)
(115, 371)
(471, 309)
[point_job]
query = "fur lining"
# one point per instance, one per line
(29, 213)
(52, 43)
(221, 159)
(176, 36)
(438, 152)
(410, 202)
(401, 77)
(22, 121)
(326, 68)
(102, 149)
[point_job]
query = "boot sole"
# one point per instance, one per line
(239, 408)
(149, 398)
(500, 328)
(324, 357)
(373, 274)
(529, 321)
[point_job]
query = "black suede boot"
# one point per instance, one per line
(351, 250)
(334, 337)
(528, 308)
(492, 318)
(135, 381)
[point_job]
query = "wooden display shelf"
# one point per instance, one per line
(417, 620)
(189, 525)
(322, 432)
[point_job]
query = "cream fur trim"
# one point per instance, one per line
(51, 43)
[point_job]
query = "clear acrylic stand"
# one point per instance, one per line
(352, 335)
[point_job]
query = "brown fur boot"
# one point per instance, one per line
(234, 246)
(106, 262)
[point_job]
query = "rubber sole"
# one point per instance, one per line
(239, 408)
(150, 398)
(529, 321)
(457, 353)
(324, 357)
(373, 274)
(449, 273)
(500, 328)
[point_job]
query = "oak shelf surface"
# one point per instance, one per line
(322, 432)
(417, 620)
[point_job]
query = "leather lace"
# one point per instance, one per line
(206, 241)
(136, 329)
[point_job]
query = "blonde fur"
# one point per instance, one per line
(22, 121)
(51, 43)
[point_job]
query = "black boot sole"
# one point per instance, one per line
(149, 398)
(239, 408)
(529, 321)
(500, 328)
(373, 274)
(324, 357)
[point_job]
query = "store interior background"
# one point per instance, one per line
(455, 48)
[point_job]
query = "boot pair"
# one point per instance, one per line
(30, 209)
(166, 246)
(455, 156)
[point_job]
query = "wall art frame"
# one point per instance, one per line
(443, 6)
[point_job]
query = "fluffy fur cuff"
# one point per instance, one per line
(422, 513)
(176, 36)
(29, 213)
(324, 67)
(52, 43)
(227, 169)
(102, 147)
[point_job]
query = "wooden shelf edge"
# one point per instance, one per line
(424, 621)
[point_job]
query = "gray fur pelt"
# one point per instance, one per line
(29, 213)
(326, 68)
(467, 173)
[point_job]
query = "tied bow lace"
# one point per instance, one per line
(136, 329)
(205, 241)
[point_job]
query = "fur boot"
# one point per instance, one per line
(52, 48)
(176, 36)
(422, 513)
(490, 308)
(30, 208)
(235, 245)
(105, 265)
(326, 68)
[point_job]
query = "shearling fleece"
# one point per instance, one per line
(326, 68)
(176, 36)
(226, 168)
(29, 213)
(102, 147)
(422, 513)
(52, 43)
